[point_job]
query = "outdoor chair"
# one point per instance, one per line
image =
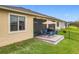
(48, 32)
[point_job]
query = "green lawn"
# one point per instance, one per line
(35, 46)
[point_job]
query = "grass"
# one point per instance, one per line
(35, 46)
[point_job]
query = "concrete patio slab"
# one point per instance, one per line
(54, 39)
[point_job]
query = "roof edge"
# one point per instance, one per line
(30, 13)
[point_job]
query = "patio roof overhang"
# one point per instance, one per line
(48, 22)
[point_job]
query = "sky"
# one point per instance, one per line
(63, 12)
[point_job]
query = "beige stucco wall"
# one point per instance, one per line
(61, 25)
(9, 38)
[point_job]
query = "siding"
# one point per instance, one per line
(8, 38)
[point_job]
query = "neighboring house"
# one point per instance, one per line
(17, 24)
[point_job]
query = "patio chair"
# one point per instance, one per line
(52, 32)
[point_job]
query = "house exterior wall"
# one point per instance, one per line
(9, 38)
(61, 25)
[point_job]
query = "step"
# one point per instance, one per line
(54, 42)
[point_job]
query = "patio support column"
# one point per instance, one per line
(47, 25)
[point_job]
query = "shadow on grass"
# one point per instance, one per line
(15, 46)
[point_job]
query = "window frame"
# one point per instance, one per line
(18, 23)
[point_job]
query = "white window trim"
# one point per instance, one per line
(18, 23)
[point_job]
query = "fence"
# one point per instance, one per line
(71, 35)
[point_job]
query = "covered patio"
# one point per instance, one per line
(44, 27)
(46, 30)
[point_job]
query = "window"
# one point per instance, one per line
(52, 26)
(13, 23)
(17, 23)
(21, 23)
